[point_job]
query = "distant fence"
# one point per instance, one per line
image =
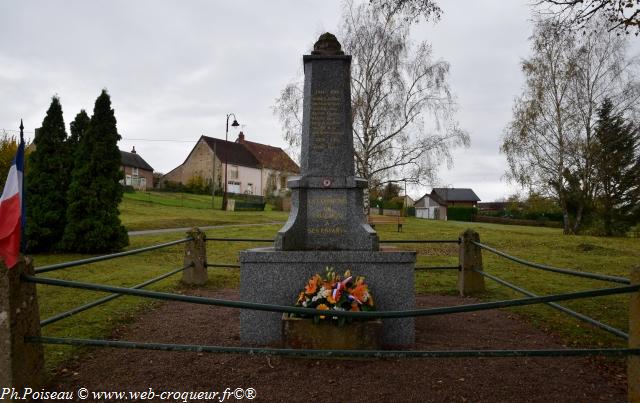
(23, 365)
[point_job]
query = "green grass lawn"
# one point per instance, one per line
(153, 210)
(613, 256)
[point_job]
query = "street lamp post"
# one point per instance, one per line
(226, 157)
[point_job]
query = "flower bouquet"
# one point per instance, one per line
(331, 292)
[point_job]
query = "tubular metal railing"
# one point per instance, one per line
(529, 300)
(594, 276)
(457, 241)
(64, 265)
(317, 312)
(566, 310)
(108, 298)
(336, 353)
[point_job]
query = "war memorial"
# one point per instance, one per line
(327, 225)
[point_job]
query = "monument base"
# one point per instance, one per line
(276, 277)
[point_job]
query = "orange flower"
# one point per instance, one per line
(301, 298)
(312, 286)
(354, 306)
(370, 301)
(329, 284)
(360, 292)
(322, 307)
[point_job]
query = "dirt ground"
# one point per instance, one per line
(341, 380)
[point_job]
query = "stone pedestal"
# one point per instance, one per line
(276, 277)
(21, 364)
(195, 254)
(469, 281)
(633, 361)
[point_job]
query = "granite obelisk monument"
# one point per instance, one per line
(327, 207)
(327, 225)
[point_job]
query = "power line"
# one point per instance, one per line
(123, 138)
(171, 140)
(16, 131)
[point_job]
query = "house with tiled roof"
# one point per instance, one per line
(253, 168)
(137, 172)
(434, 205)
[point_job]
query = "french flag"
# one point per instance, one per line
(12, 209)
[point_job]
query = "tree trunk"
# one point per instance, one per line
(565, 222)
(607, 217)
(578, 222)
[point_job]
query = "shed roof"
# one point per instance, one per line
(454, 195)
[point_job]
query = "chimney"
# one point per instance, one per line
(240, 138)
(133, 151)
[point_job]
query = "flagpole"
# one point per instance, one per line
(23, 207)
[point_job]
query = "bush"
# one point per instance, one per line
(248, 206)
(247, 198)
(276, 202)
(171, 186)
(461, 213)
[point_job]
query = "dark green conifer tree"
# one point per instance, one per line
(78, 127)
(617, 169)
(93, 222)
(46, 183)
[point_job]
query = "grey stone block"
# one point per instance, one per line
(276, 277)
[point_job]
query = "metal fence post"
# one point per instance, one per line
(195, 254)
(21, 364)
(470, 282)
(633, 361)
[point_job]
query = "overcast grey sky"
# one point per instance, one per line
(175, 69)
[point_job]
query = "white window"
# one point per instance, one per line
(128, 180)
(249, 189)
(233, 187)
(143, 183)
(233, 172)
(134, 171)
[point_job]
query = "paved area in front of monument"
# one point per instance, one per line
(297, 379)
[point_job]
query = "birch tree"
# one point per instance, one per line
(402, 106)
(550, 144)
(619, 15)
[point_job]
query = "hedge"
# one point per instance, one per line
(461, 213)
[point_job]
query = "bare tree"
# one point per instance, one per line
(537, 140)
(409, 10)
(620, 15)
(549, 144)
(602, 70)
(393, 88)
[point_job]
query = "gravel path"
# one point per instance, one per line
(342, 380)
